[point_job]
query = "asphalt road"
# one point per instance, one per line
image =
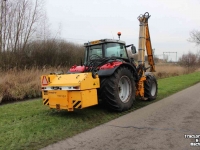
(161, 125)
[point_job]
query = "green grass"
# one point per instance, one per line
(30, 125)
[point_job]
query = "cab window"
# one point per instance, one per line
(115, 50)
(94, 52)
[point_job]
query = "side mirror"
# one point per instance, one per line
(133, 49)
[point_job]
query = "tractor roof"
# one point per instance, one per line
(103, 41)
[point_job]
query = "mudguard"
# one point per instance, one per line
(105, 70)
(109, 72)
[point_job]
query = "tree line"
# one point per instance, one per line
(40, 54)
(25, 40)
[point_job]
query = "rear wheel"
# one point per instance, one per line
(150, 87)
(118, 90)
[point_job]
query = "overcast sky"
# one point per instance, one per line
(170, 23)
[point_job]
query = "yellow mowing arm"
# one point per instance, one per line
(144, 40)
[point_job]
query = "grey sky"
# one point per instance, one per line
(170, 23)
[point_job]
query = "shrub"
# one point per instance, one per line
(189, 60)
(49, 53)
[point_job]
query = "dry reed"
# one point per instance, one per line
(167, 70)
(24, 84)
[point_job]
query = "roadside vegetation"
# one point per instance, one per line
(20, 84)
(28, 50)
(17, 85)
(30, 125)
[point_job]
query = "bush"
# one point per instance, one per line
(49, 53)
(189, 60)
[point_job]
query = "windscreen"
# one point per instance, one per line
(115, 50)
(110, 50)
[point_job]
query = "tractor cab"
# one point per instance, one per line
(107, 48)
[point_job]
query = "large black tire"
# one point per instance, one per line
(118, 91)
(150, 87)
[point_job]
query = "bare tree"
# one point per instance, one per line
(190, 60)
(195, 37)
(25, 38)
(18, 23)
(2, 21)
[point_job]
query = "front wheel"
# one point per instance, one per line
(150, 87)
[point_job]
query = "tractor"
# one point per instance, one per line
(109, 74)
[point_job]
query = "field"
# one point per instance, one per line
(18, 85)
(30, 125)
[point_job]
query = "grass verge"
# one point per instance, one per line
(30, 125)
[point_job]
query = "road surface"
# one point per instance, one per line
(161, 125)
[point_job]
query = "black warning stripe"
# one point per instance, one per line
(46, 102)
(76, 104)
(79, 105)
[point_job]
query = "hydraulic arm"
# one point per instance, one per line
(145, 42)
